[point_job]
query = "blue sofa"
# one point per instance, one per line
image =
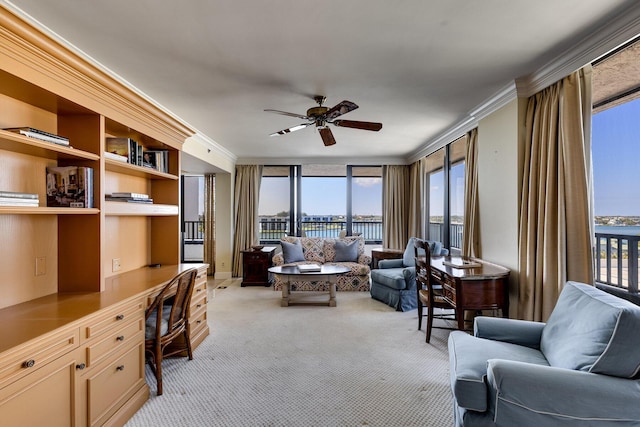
(580, 368)
(394, 281)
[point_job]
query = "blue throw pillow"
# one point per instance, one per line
(292, 252)
(346, 252)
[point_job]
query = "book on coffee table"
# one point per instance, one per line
(309, 268)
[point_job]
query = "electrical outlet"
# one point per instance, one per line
(41, 266)
(222, 264)
(115, 264)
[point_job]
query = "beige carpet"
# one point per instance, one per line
(358, 364)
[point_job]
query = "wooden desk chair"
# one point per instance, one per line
(429, 293)
(166, 320)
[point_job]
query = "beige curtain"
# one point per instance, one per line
(471, 234)
(247, 192)
(416, 209)
(395, 195)
(556, 223)
(210, 223)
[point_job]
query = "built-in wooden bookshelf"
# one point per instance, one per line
(60, 277)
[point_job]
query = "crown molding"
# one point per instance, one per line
(360, 161)
(616, 31)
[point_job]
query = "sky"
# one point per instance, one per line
(323, 196)
(616, 160)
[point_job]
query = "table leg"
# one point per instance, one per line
(285, 294)
(332, 291)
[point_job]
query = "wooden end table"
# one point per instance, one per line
(378, 254)
(255, 266)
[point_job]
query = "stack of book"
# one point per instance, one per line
(11, 198)
(41, 135)
(156, 159)
(70, 186)
(129, 197)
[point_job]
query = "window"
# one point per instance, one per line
(615, 150)
(445, 194)
(321, 201)
(274, 207)
(192, 218)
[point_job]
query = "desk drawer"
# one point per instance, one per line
(449, 292)
(114, 341)
(115, 381)
(112, 318)
(198, 319)
(34, 355)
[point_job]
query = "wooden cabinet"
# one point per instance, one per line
(198, 311)
(255, 266)
(69, 273)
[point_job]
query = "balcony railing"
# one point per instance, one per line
(193, 231)
(271, 231)
(616, 263)
(436, 232)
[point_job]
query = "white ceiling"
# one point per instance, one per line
(418, 66)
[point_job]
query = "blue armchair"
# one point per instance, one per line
(394, 281)
(579, 369)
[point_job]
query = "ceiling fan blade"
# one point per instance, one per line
(300, 116)
(291, 129)
(327, 136)
(358, 125)
(342, 108)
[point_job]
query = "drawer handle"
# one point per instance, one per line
(29, 363)
(198, 290)
(120, 338)
(81, 366)
(120, 368)
(120, 317)
(199, 305)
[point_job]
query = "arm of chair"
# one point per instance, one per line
(533, 395)
(521, 332)
(364, 259)
(390, 263)
(278, 259)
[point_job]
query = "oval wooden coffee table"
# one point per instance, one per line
(292, 272)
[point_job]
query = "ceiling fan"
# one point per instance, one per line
(321, 116)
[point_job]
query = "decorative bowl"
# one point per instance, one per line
(257, 247)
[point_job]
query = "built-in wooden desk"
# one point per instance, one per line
(485, 287)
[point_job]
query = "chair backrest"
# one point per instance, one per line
(178, 291)
(593, 331)
(422, 257)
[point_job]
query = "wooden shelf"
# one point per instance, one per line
(17, 143)
(139, 209)
(36, 210)
(134, 170)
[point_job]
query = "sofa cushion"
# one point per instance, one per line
(593, 331)
(292, 252)
(312, 247)
(468, 356)
(346, 251)
(330, 247)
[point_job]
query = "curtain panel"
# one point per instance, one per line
(247, 197)
(395, 195)
(556, 214)
(471, 233)
(210, 223)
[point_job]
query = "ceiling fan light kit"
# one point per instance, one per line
(321, 116)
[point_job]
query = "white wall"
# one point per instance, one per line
(498, 191)
(224, 225)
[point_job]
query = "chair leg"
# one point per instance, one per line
(187, 339)
(419, 315)
(159, 369)
(429, 322)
